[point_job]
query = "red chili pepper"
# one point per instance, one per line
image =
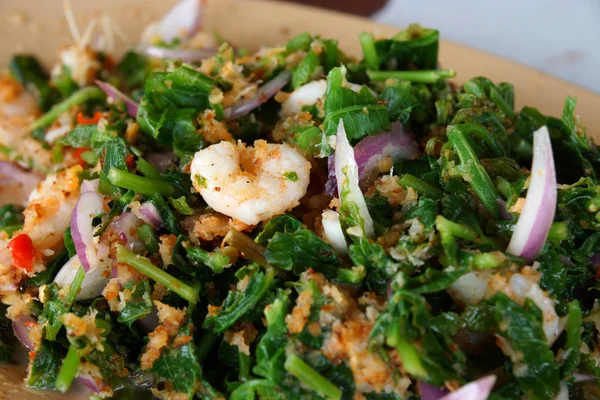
(77, 155)
(23, 252)
(598, 273)
(129, 160)
(89, 121)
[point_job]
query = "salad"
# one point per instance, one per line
(198, 221)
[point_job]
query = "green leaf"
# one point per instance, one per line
(270, 351)
(305, 69)
(30, 73)
(237, 303)
(399, 102)
(133, 67)
(45, 365)
(521, 327)
(300, 250)
(138, 305)
(361, 114)
(414, 48)
(179, 365)
(282, 223)
(11, 218)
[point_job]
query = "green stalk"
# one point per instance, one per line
(461, 231)
(79, 97)
(139, 184)
(367, 42)
(574, 331)
(420, 186)
(489, 260)
(145, 266)
(205, 344)
(499, 101)
(181, 205)
(147, 169)
(148, 236)
(423, 76)
(74, 287)
(249, 247)
(410, 358)
(68, 370)
(311, 378)
(473, 171)
(244, 363)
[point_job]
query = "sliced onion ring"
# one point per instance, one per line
(94, 280)
(476, 390)
(150, 215)
(346, 172)
(116, 94)
(89, 205)
(21, 330)
(430, 392)
(534, 223)
(372, 150)
(263, 94)
(333, 233)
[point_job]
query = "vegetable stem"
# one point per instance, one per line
(145, 266)
(139, 184)
(311, 378)
(473, 171)
(68, 370)
(420, 186)
(247, 246)
(205, 344)
(74, 287)
(147, 169)
(148, 236)
(367, 42)
(79, 97)
(558, 232)
(423, 76)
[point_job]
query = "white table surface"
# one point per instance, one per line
(559, 37)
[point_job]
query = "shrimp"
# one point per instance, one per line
(47, 217)
(18, 109)
(476, 286)
(250, 184)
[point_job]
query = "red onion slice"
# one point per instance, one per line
(161, 161)
(89, 205)
(579, 377)
(126, 225)
(184, 54)
(476, 390)
(150, 215)
(90, 186)
(21, 330)
(429, 392)
(346, 173)
(333, 233)
(89, 382)
(372, 150)
(16, 183)
(534, 223)
(116, 94)
(93, 282)
(263, 94)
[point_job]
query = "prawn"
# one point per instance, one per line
(250, 184)
(47, 217)
(476, 286)
(18, 109)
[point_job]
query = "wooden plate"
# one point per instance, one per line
(39, 27)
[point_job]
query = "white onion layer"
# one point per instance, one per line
(534, 223)
(346, 173)
(333, 233)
